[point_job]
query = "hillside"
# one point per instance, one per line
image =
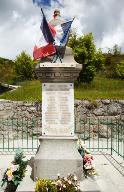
(100, 88)
(105, 84)
(6, 70)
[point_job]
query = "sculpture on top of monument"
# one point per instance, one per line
(56, 34)
(57, 19)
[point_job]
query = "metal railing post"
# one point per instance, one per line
(111, 138)
(118, 137)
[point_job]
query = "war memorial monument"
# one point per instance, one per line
(58, 144)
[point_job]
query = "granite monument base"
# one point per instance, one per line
(57, 155)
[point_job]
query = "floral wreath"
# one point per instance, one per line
(88, 159)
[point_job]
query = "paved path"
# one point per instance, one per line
(109, 179)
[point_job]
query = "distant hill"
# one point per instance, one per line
(6, 70)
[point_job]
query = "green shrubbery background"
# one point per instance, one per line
(93, 61)
(101, 76)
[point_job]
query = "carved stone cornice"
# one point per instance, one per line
(58, 72)
(64, 72)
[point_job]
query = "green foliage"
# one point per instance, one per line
(86, 54)
(64, 184)
(87, 74)
(16, 172)
(114, 63)
(100, 87)
(24, 67)
(120, 70)
(19, 160)
(42, 185)
(115, 50)
(28, 91)
(6, 71)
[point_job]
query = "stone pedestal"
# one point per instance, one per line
(57, 155)
(58, 149)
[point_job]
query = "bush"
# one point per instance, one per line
(24, 67)
(114, 66)
(120, 70)
(85, 53)
(42, 185)
(6, 71)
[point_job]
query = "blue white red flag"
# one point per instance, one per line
(48, 33)
(45, 51)
(66, 30)
(45, 28)
(41, 3)
(58, 35)
(61, 32)
(54, 35)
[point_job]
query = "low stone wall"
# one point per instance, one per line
(19, 109)
(84, 109)
(19, 118)
(100, 108)
(99, 118)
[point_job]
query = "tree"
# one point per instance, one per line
(115, 50)
(24, 67)
(86, 54)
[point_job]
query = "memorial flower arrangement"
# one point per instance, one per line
(15, 173)
(88, 160)
(64, 184)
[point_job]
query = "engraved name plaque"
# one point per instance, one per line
(58, 109)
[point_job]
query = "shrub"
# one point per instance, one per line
(65, 184)
(120, 70)
(42, 185)
(86, 54)
(6, 71)
(24, 67)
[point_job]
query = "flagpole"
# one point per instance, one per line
(42, 11)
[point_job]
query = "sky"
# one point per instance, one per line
(20, 23)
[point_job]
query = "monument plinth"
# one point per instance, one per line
(58, 150)
(65, 72)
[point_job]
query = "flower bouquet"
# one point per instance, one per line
(68, 183)
(64, 184)
(15, 173)
(88, 160)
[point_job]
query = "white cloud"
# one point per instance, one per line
(20, 23)
(111, 39)
(15, 15)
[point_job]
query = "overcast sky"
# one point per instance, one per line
(20, 23)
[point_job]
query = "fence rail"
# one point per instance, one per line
(19, 133)
(105, 135)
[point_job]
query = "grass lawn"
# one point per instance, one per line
(29, 91)
(100, 88)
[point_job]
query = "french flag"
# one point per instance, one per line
(42, 52)
(61, 32)
(57, 33)
(54, 36)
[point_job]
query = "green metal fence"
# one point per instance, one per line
(19, 133)
(105, 135)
